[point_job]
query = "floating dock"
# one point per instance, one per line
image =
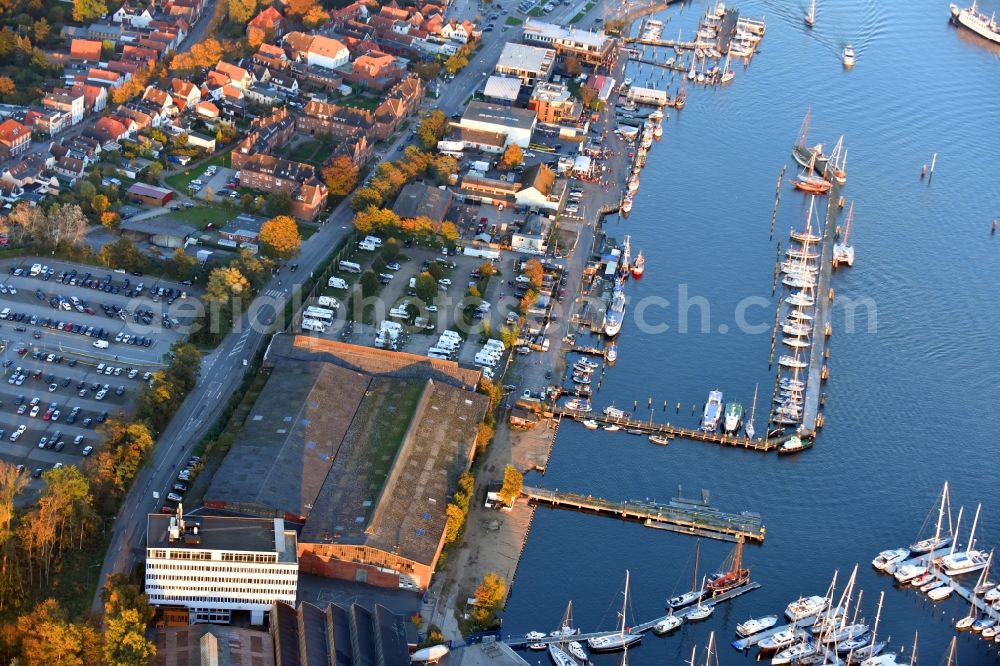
(680, 515)
(824, 300)
(672, 431)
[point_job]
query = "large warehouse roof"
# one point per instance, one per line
(495, 114)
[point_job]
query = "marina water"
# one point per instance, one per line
(913, 399)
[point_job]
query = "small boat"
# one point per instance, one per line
(940, 593)
(804, 607)
(688, 598)
(848, 633)
(611, 353)
(992, 595)
(667, 624)
(659, 439)
(590, 424)
(931, 585)
(756, 625)
(639, 265)
(809, 157)
(989, 633)
(887, 559)
(791, 362)
(965, 623)
(796, 343)
(532, 638)
(800, 299)
(795, 328)
(701, 611)
(967, 561)
(713, 411)
(800, 315)
(583, 369)
(846, 647)
(627, 81)
(635, 431)
(812, 183)
(795, 653)
(579, 405)
(732, 417)
(849, 56)
(575, 648)
(749, 427)
(633, 184)
(983, 623)
(588, 364)
(922, 579)
(560, 658)
(612, 427)
(581, 379)
(613, 412)
(626, 204)
(620, 640)
(908, 572)
(810, 17)
(781, 640)
(657, 131)
(795, 444)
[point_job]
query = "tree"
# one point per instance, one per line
(127, 444)
(486, 269)
(255, 36)
(428, 71)
(315, 16)
(513, 481)
(99, 204)
(88, 10)
(390, 250)
(247, 204)
(279, 203)
(279, 237)
(426, 287)
(6, 86)
(432, 129)
(47, 636)
(455, 63)
(123, 254)
(256, 271)
(454, 520)
(204, 54)
(226, 283)
(41, 30)
(125, 643)
(436, 269)
(573, 66)
(534, 272)
(241, 11)
(375, 219)
(443, 168)
(369, 283)
(340, 175)
(589, 98)
(366, 197)
(508, 336)
(181, 265)
(153, 171)
(513, 156)
(490, 596)
(110, 219)
(301, 8)
(449, 232)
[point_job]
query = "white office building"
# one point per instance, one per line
(515, 124)
(213, 566)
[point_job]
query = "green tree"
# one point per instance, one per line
(279, 237)
(181, 265)
(279, 203)
(443, 168)
(241, 11)
(513, 481)
(340, 175)
(366, 197)
(432, 129)
(153, 172)
(426, 287)
(125, 643)
(437, 270)
(88, 10)
(48, 637)
(369, 283)
(390, 250)
(124, 254)
(41, 30)
(255, 270)
(490, 596)
(99, 204)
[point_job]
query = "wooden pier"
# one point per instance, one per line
(650, 427)
(520, 642)
(683, 516)
(824, 299)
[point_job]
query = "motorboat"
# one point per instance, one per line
(588, 364)
(940, 593)
(933, 584)
(800, 298)
(795, 653)
(577, 405)
(887, 559)
(908, 572)
(590, 424)
(611, 353)
(533, 637)
(733, 417)
(791, 362)
(612, 427)
(795, 444)
(616, 313)
(804, 607)
(667, 624)
(846, 647)
(713, 411)
(796, 329)
(867, 652)
(849, 56)
(781, 640)
(613, 412)
(796, 343)
(659, 439)
(575, 648)
(922, 579)
(756, 625)
(957, 564)
(983, 623)
(560, 658)
(581, 378)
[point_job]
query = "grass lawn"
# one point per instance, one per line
(309, 152)
(305, 230)
(577, 18)
(398, 400)
(513, 20)
(200, 216)
(536, 12)
(366, 103)
(179, 181)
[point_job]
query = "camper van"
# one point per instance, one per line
(367, 246)
(374, 240)
(349, 267)
(336, 283)
(328, 302)
(313, 325)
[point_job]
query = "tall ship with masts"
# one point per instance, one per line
(975, 21)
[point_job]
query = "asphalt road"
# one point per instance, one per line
(223, 370)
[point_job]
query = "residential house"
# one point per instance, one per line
(112, 128)
(106, 77)
(29, 169)
(70, 168)
(284, 82)
(134, 16)
(15, 139)
(553, 104)
(142, 55)
(67, 103)
(266, 133)
(271, 174)
(207, 110)
(159, 99)
(356, 11)
(458, 32)
(270, 21)
(203, 141)
(376, 70)
(95, 98)
(85, 49)
(271, 56)
(339, 121)
(184, 93)
(9, 192)
(264, 95)
(238, 77)
(105, 31)
(46, 121)
(327, 52)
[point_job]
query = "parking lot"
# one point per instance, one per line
(215, 179)
(92, 312)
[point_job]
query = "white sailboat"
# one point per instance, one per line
(810, 17)
(843, 252)
(620, 640)
(968, 560)
(939, 540)
(688, 598)
(753, 412)
(701, 611)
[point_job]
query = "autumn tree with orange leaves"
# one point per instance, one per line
(279, 237)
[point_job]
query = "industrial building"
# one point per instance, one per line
(149, 195)
(308, 634)
(515, 124)
(361, 446)
(527, 63)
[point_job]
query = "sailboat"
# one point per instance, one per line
(837, 168)
(808, 181)
(733, 573)
(688, 598)
(802, 155)
(701, 611)
(681, 97)
(842, 251)
(874, 648)
(939, 540)
(753, 411)
(620, 640)
(810, 17)
(967, 561)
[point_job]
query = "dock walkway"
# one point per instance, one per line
(811, 404)
(679, 515)
(672, 431)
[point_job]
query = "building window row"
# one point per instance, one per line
(249, 557)
(187, 590)
(214, 600)
(277, 571)
(215, 579)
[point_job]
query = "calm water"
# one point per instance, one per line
(910, 404)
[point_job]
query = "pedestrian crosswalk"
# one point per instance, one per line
(238, 348)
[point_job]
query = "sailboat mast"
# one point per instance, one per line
(937, 530)
(694, 575)
(947, 497)
(847, 235)
(621, 631)
(951, 651)
(913, 652)
(972, 535)
(958, 525)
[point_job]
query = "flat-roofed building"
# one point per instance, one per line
(516, 124)
(553, 103)
(502, 89)
(593, 48)
(525, 62)
(337, 634)
(213, 566)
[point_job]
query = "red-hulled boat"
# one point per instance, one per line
(732, 575)
(813, 184)
(638, 266)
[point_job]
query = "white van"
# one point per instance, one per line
(366, 246)
(336, 283)
(313, 325)
(328, 302)
(36, 269)
(101, 344)
(100, 368)
(494, 344)
(349, 267)
(374, 240)
(4, 313)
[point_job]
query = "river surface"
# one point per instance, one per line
(913, 391)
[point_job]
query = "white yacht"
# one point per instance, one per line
(908, 572)
(849, 56)
(755, 625)
(888, 559)
(804, 607)
(667, 624)
(795, 653)
(974, 20)
(782, 639)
